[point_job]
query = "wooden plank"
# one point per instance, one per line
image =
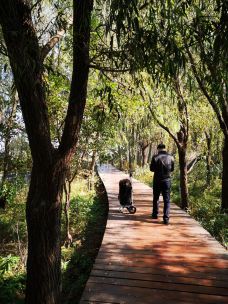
(176, 254)
(161, 285)
(128, 295)
(151, 260)
(147, 250)
(169, 270)
(161, 278)
(150, 277)
(144, 261)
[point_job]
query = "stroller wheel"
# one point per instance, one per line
(121, 209)
(131, 209)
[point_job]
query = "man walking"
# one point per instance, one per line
(162, 165)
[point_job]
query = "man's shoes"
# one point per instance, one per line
(166, 221)
(154, 216)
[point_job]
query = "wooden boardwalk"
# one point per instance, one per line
(141, 260)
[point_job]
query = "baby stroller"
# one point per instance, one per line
(126, 196)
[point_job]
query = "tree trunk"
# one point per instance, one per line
(92, 166)
(43, 215)
(208, 157)
(144, 145)
(129, 157)
(139, 157)
(120, 158)
(43, 209)
(183, 177)
(7, 136)
(67, 191)
(144, 156)
(225, 176)
(149, 157)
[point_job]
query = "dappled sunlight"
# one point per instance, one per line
(142, 259)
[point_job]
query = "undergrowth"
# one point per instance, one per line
(88, 213)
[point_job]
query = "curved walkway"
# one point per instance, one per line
(141, 260)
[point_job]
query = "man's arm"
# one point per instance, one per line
(152, 165)
(172, 165)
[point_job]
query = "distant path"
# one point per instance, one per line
(144, 261)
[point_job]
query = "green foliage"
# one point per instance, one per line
(10, 189)
(12, 220)
(66, 254)
(144, 175)
(13, 228)
(12, 289)
(8, 264)
(58, 91)
(12, 280)
(205, 207)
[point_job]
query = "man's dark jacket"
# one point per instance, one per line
(162, 165)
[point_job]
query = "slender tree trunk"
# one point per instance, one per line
(139, 157)
(144, 145)
(9, 126)
(67, 190)
(183, 177)
(6, 160)
(143, 156)
(225, 176)
(129, 156)
(120, 158)
(92, 166)
(149, 154)
(208, 157)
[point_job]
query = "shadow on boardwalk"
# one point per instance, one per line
(143, 261)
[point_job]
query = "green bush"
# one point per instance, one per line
(12, 219)
(205, 206)
(144, 175)
(12, 280)
(12, 289)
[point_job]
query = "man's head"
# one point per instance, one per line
(161, 147)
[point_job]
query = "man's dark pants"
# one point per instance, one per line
(163, 187)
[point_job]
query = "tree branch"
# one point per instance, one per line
(3, 50)
(183, 110)
(163, 126)
(35, 4)
(78, 92)
(108, 69)
(206, 94)
(51, 43)
(192, 163)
